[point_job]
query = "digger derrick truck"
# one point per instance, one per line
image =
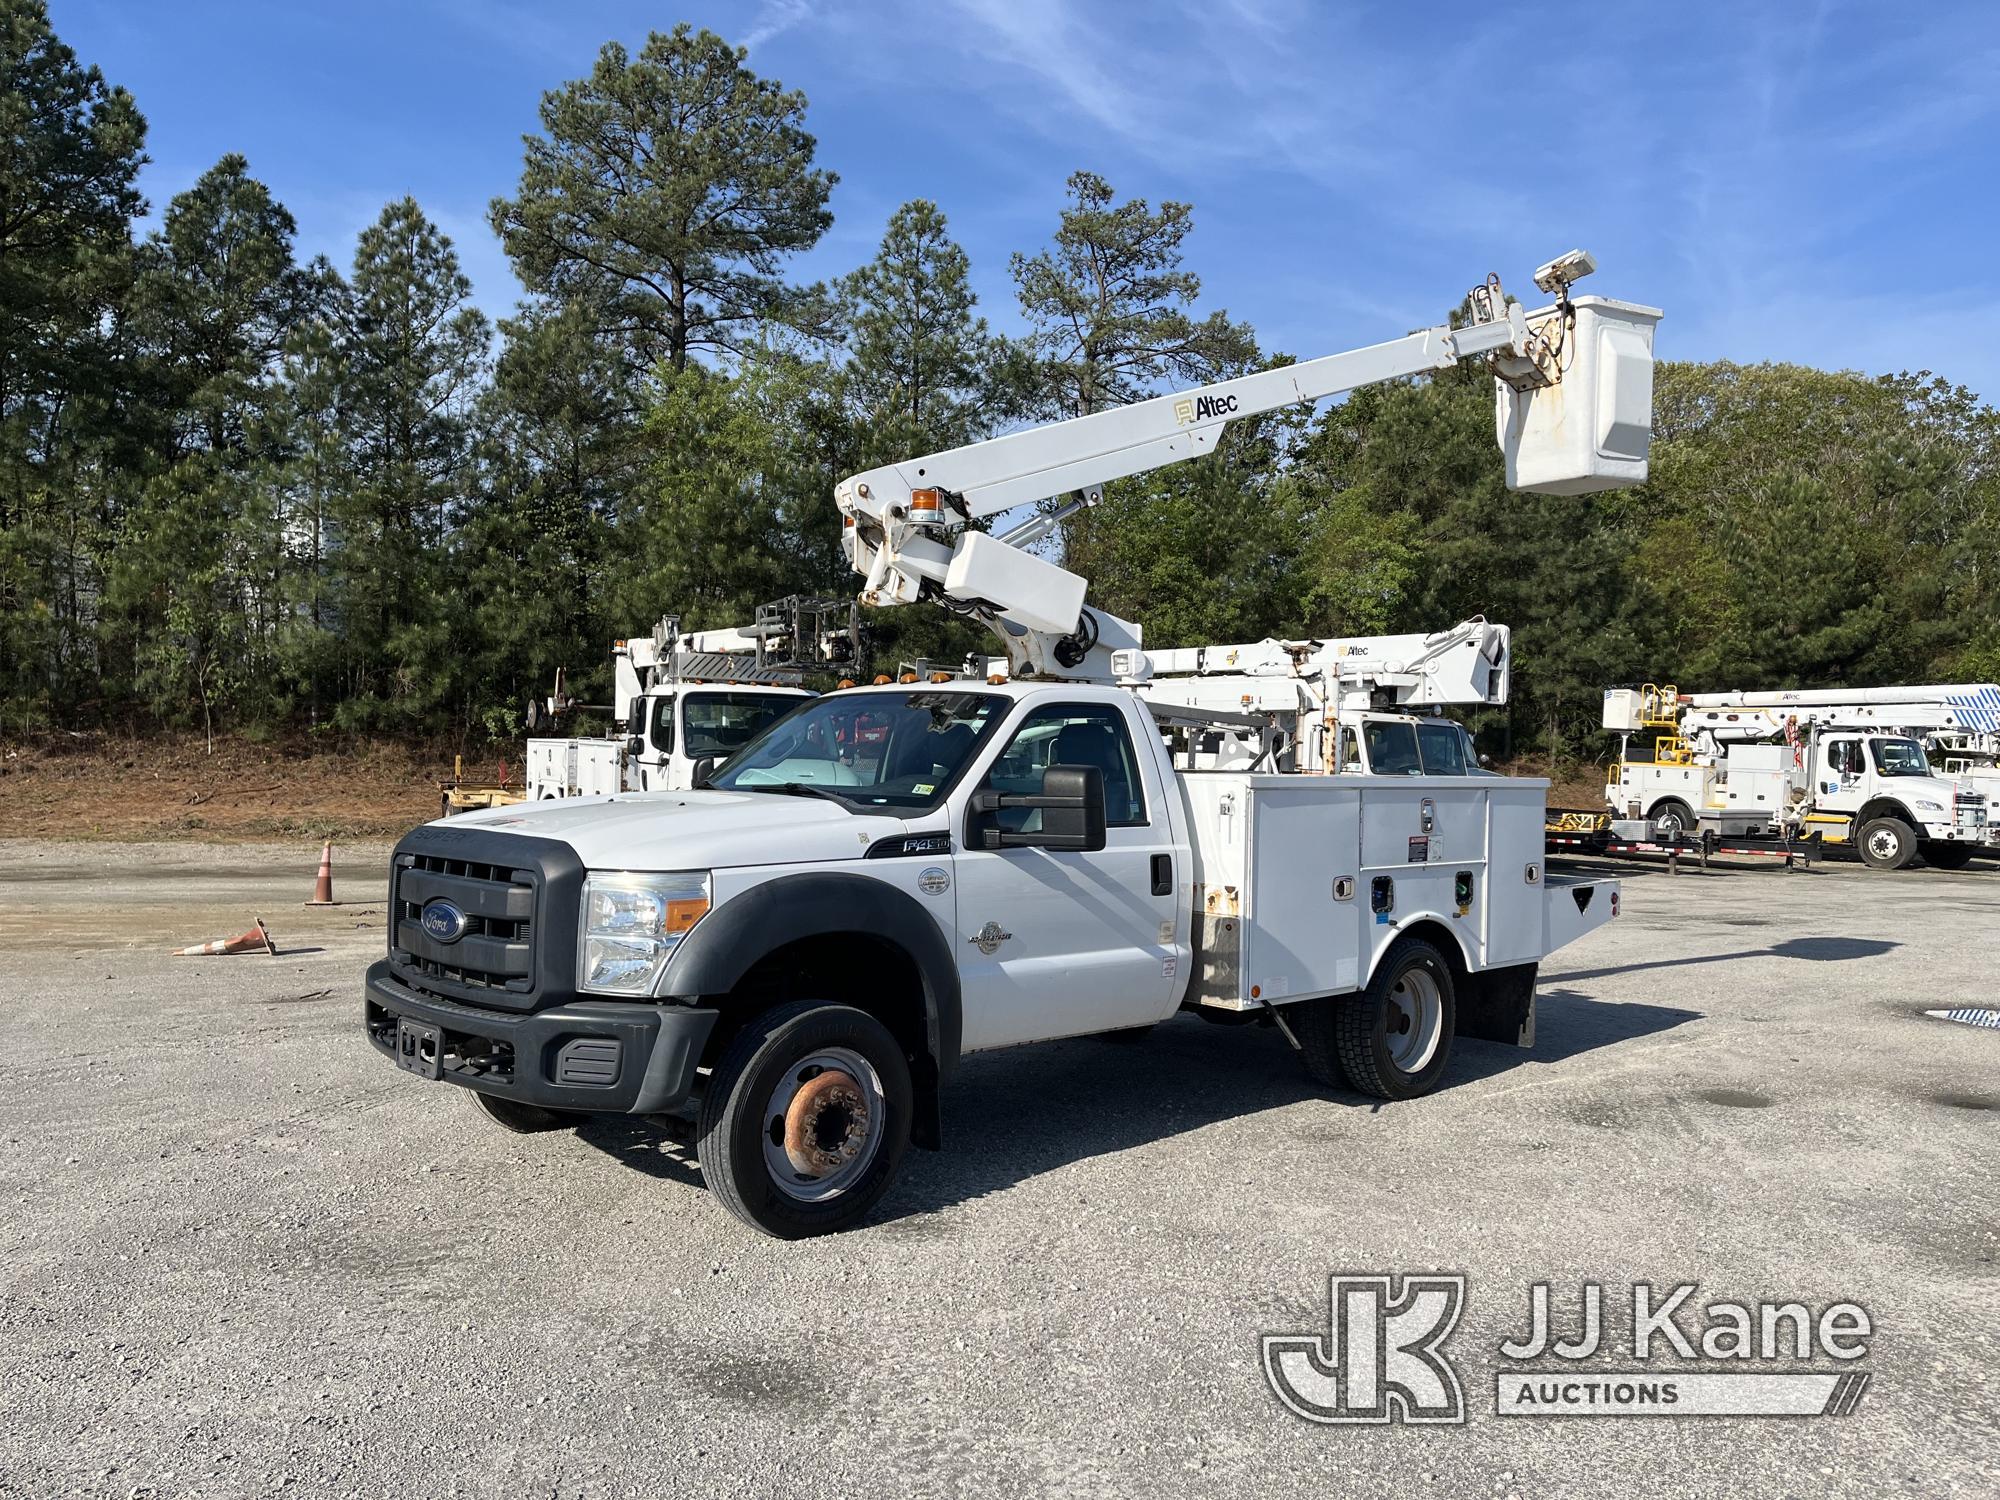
(793, 957)
(1850, 764)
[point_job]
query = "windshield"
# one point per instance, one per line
(1899, 758)
(897, 751)
(720, 724)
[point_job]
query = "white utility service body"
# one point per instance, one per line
(1458, 854)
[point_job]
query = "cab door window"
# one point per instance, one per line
(1070, 735)
(663, 725)
(1843, 757)
(1351, 762)
(1392, 748)
(1443, 749)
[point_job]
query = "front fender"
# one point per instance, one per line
(724, 945)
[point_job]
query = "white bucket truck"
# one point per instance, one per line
(796, 958)
(1849, 764)
(1360, 705)
(685, 701)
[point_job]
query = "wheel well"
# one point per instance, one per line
(869, 973)
(1662, 802)
(1445, 941)
(1883, 807)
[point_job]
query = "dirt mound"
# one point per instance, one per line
(153, 786)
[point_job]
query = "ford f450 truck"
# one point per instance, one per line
(891, 878)
(796, 953)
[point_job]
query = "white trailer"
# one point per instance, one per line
(894, 876)
(1848, 764)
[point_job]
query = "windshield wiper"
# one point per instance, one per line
(796, 789)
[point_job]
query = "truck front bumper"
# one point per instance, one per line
(599, 1056)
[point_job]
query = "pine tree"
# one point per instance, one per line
(216, 295)
(1109, 303)
(667, 190)
(411, 355)
(925, 373)
(71, 147)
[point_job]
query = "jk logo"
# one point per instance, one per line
(1381, 1361)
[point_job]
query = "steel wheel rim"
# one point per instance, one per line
(1882, 844)
(1416, 1020)
(833, 1098)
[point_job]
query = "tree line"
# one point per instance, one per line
(246, 492)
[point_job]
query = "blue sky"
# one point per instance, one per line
(1787, 181)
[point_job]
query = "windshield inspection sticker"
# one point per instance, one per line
(924, 788)
(1381, 1357)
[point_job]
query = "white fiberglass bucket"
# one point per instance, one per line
(1592, 429)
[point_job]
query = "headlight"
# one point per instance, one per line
(631, 926)
(1924, 805)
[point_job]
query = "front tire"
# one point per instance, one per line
(1943, 856)
(1393, 1040)
(524, 1119)
(1887, 843)
(806, 1119)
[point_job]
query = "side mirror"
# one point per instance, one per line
(1072, 806)
(703, 769)
(1486, 760)
(634, 746)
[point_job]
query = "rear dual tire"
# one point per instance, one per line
(1393, 1040)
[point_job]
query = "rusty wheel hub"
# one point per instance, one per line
(827, 1124)
(823, 1126)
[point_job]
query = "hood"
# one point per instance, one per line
(692, 830)
(1938, 789)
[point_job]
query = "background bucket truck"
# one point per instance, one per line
(1849, 764)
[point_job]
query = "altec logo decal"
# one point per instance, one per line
(1382, 1358)
(1192, 409)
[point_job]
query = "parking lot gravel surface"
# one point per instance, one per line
(243, 1255)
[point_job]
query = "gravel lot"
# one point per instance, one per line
(244, 1254)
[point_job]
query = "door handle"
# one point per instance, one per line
(1163, 874)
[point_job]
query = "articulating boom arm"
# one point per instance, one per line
(904, 523)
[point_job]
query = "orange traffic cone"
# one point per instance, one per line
(257, 937)
(323, 887)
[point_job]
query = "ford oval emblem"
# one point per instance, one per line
(443, 922)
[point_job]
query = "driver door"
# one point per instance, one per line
(1840, 779)
(1061, 942)
(661, 716)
